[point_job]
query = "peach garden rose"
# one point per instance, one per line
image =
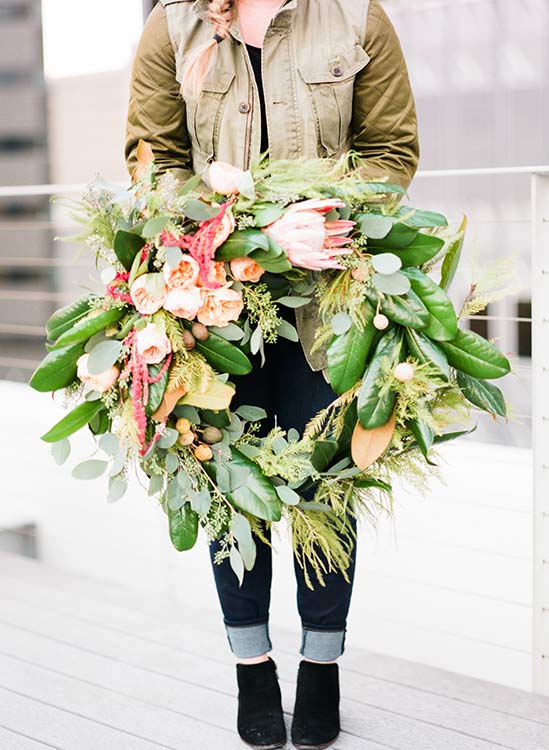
(220, 306)
(246, 269)
(217, 276)
(223, 178)
(152, 344)
(183, 303)
(183, 275)
(144, 302)
(100, 382)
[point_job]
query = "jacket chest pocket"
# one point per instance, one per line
(331, 84)
(204, 113)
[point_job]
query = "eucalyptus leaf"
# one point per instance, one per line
(60, 451)
(267, 213)
(155, 284)
(168, 439)
(395, 284)
(375, 226)
(117, 489)
(237, 564)
(91, 469)
(201, 502)
(172, 463)
(156, 484)
(154, 226)
(251, 413)
(173, 256)
(119, 460)
(293, 302)
(231, 332)
(287, 331)
(103, 356)
(287, 495)
(386, 263)
(109, 443)
(341, 323)
(242, 532)
(199, 211)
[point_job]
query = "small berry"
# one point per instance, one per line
(381, 322)
(200, 332)
(404, 372)
(203, 453)
(186, 439)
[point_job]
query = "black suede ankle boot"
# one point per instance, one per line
(260, 717)
(316, 714)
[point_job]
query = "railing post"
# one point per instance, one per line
(540, 428)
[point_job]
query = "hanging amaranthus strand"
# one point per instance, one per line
(138, 370)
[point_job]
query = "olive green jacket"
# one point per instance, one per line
(334, 77)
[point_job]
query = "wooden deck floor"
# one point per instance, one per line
(86, 665)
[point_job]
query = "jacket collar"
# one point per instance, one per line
(200, 7)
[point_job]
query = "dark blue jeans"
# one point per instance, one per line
(288, 388)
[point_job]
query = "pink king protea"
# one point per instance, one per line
(309, 240)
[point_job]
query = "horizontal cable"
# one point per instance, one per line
(18, 363)
(21, 294)
(41, 263)
(21, 329)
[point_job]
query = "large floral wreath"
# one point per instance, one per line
(194, 280)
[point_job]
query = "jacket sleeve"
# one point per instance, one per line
(156, 110)
(384, 125)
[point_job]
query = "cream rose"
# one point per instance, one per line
(184, 275)
(100, 382)
(220, 306)
(183, 303)
(152, 344)
(144, 302)
(223, 178)
(217, 276)
(246, 269)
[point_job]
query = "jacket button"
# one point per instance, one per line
(244, 108)
(337, 71)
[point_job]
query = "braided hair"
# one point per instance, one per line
(221, 14)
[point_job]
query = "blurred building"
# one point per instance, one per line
(25, 237)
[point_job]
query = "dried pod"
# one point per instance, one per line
(189, 340)
(203, 453)
(186, 439)
(183, 426)
(360, 273)
(212, 435)
(200, 332)
(404, 372)
(381, 322)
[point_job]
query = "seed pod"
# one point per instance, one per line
(186, 439)
(189, 340)
(212, 435)
(200, 332)
(183, 426)
(381, 322)
(404, 372)
(360, 273)
(203, 453)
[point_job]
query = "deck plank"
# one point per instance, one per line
(132, 655)
(368, 693)
(10, 740)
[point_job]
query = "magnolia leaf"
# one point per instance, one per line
(169, 402)
(224, 356)
(127, 247)
(218, 396)
(231, 332)
(65, 318)
(58, 369)
(483, 394)
(368, 446)
(475, 356)
(386, 263)
(89, 469)
(183, 525)
(323, 453)
(394, 284)
(341, 323)
(60, 451)
(267, 213)
(73, 421)
(453, 256)
(103, 356)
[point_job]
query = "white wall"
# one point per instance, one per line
(449, 584)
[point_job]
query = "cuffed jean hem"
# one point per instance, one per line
(248, 641)
(322, 645)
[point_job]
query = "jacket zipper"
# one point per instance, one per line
(249, 119)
